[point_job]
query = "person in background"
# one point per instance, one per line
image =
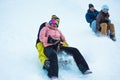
(104, 24)
(91, 16)
(53, 41)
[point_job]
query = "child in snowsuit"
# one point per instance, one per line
(104, 24)
(91, 16)
(53, 40)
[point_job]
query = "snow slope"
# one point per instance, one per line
(19, 24)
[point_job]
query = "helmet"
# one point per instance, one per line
(105, 8)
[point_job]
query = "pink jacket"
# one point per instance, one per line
(53, 32)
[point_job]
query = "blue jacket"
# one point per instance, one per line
(91, 16)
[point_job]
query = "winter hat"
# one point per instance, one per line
(105, 8)
(53, 21)
(55, 17)
(90, 5)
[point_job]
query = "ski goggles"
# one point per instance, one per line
(54, 22)
(105, 10)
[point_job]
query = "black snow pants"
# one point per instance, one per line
(51, 51)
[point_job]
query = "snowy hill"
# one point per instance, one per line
(19, 24)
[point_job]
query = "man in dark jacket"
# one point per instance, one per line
(91, 16)
(104, 24)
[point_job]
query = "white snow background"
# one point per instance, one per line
(19, 24)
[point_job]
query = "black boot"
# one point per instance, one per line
(112, 37)
(46, 65)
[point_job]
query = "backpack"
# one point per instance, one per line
(41, 26)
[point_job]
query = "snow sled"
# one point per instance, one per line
(64, 59)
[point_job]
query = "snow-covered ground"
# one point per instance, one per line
(19, 24)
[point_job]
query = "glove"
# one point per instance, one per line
(107, 20)
(53, 41)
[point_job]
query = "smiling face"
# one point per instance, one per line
(54, 25)
(92, 9)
